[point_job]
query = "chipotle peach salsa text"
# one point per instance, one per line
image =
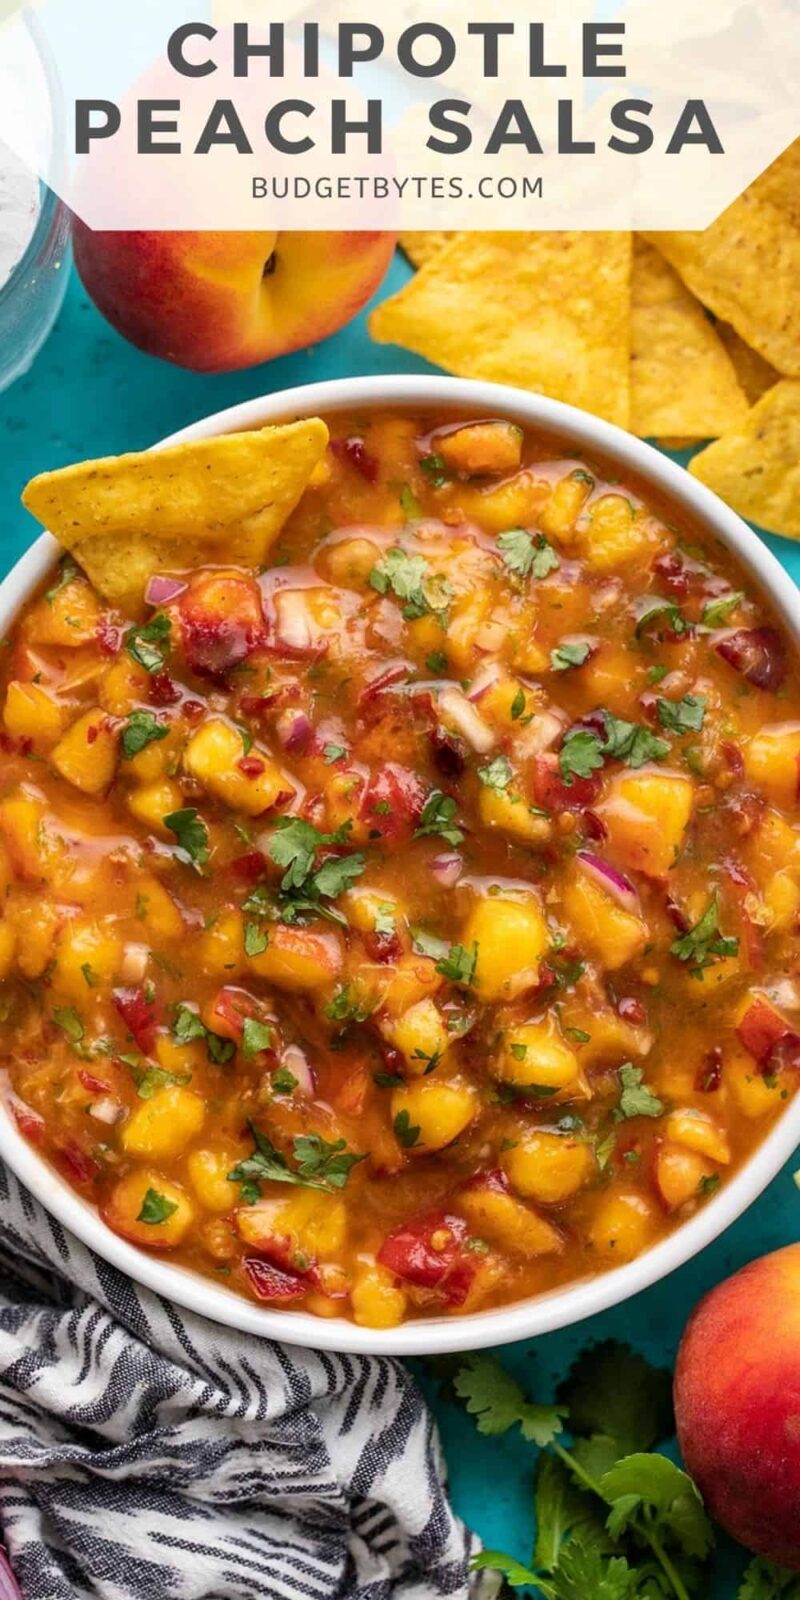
(405, 925)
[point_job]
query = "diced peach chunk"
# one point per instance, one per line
(376, 1299)
(696, 1130)
(152, 802)
(482, 447)
(507, 811)
(680, 1174)
(68, 618)
(420, 1035)
(511, 938)
(162, 1126)
(496, 1215)
(610, 934)
(615, 536)
(548, 1167)
(250, 783)
(124, 685)
(297, 958)
(31, 713)
(646, 814)
(208, 1174)
(88, 954)
(623, 1225)
(142, 1194)
(772, 762)
(438, 1111)
(86, 755)
(532, 1054)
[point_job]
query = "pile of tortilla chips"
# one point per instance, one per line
(681, 337)
(224, 500)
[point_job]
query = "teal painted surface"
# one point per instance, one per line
(89, 393)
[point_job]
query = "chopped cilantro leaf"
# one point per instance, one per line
(141, 729)
(682, 716)
(654, 609)
(149, 644)
(67, 571)
(657, 672)
(636, 1100)
(405, 575)
(348, 1007)
(191, 835)
(435, 468)
(333, 752)
(437, 818)
(458, 966)
(255, 939)
(518, 705)
(70, 1022)
(498, 773)
(527, 555)
(704, 941)
(568, 655)
(409, 504)
(716, 612)
(581, 754)
(156, 1208)
(436, 662)
(319, 1164)
(283, 1081)
(406, 1132)
(256, 1036)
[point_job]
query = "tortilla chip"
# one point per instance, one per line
(756, 468)
(682, 381)
(545, 311)
(780, 184)
(422, 247)
(755, 374)
(746, 269)
(223, 499)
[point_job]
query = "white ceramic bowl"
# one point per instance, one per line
(562, 1306)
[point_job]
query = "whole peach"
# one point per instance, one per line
(218, 301)
(737, 1404)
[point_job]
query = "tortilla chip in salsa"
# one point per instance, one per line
(127, 517)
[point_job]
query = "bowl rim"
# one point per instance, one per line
(584, 1297)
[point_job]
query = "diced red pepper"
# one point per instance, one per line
(81, 1168)
(231, 1008)
(139, 1014)
(250, 867)
(553, 793)
(164, 690)
(767, 1035)
(709, 1074)
(109, 637)
(30, 1124)
(93, 1085)
(222, 621)
(393, 801)
(429, 1253)
(354, 452)
(251, 766)
(746, 890)
(269, 1282)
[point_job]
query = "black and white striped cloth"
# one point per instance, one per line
(146, 1454)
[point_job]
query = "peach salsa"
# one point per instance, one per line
(402, 886)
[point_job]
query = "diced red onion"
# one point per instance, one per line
(297, 1062)
(294, 731)
(483, 680)
(161, 589)
(757, 653)
(134, 962)
(106, 1110)
(296, 629)
(541, 733)
(457, 708)
(447, 869)
(611, 879)
(9, 1588)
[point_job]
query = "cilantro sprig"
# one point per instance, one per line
(319, 1164)
(409, 579)
(149, 644)
(527, 555)
(585, 750)
(141, 729)
(306, 889)
(615, 1519)
(438, 818)
(703, 944)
